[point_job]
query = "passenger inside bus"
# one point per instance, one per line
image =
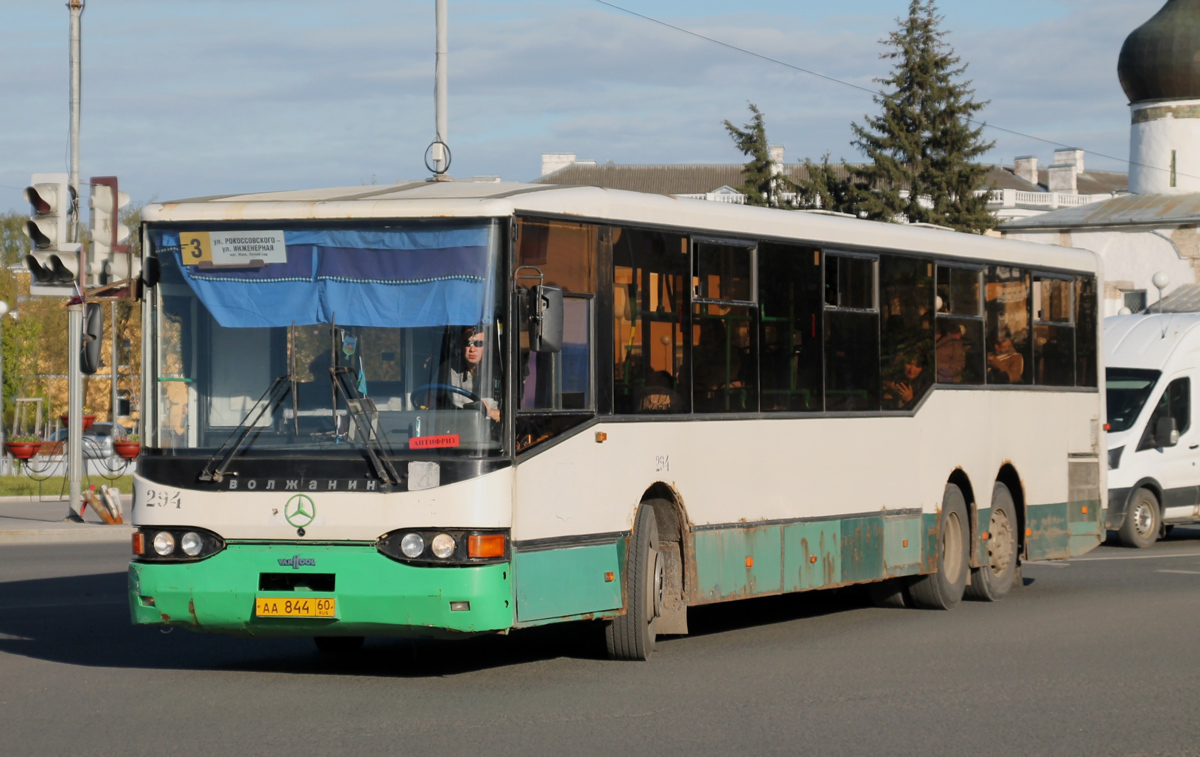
(908, 384)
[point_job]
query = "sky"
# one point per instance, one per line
(189, 98)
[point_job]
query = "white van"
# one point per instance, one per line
(1153, 443)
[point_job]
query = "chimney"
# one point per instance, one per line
(1062, 179)
(554, 161)
(775, 152)
(1025, 167)
(1069, 156)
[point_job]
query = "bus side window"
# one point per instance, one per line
(959, 326)
(650, 351)
(790, 304)
(1007, 317)
(1085, 331)
(906, 345)
(1053, 331)
(851, 334)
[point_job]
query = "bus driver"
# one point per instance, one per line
(466, 374)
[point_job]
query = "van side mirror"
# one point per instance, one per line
(1165, 433)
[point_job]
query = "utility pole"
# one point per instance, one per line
(75, 311)
(441, 158)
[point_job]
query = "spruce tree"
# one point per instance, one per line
(826, 188)
(758, 183)
(921, 146)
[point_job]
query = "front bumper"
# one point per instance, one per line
(375, 596)
(1117, 499)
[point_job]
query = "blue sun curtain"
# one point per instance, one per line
(378, 278)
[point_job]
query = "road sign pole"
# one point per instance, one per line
(75, 411)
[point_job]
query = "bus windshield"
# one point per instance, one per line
(329, 337)
(1127, 390)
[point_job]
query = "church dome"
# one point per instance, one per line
(1160, 60)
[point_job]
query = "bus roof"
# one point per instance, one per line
(1150, 340)
(475, 199)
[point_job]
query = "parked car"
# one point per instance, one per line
(97, 440)
(1153, 443)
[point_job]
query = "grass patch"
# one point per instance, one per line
(17, 486)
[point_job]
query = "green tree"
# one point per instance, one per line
(921, 146)
(827, 188)
(759, 183)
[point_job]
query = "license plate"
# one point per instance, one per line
(295, 607)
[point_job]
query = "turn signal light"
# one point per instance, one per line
(139, 542)
(485, 545)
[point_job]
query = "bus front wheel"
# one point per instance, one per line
(1142, 521)
(993, 580)
(943, 590)
(631, 636)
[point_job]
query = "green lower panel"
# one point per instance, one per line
(733, 563)
(1049, 535)
(375, 596)
(557, 583)
(902, 544)
(812, 555)
(862, 549)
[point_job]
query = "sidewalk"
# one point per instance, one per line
(24, 520)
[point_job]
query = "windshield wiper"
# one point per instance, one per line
(365, 417)
(274, 394)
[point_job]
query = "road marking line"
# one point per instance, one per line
(1129, 557)
(1184, 572)
(45, 605)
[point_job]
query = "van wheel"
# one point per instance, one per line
(1142, 521)
(943, 590)
(631, 636)
(993, 580)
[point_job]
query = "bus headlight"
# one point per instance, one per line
(446, 546)
(164, 543)
(412, 545)
(443, 545)
(175, 544)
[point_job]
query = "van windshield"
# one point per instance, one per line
(1127, 390)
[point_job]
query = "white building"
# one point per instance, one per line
(1153, 229)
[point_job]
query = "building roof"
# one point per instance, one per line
(1122, 210)
(1184, 299)
(1160, 59)
(700, 179)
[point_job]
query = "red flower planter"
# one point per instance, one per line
(88, 420)
(22, 450)
(127, 450)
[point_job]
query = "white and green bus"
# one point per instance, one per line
(439, 409)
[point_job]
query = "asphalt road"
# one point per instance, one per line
(1090, 657)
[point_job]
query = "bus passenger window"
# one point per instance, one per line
(906, 344)
(851, 334)
(1085, 331)
(1007, 316)
(650, 271)
(959, 351)
(790, 306)
(1053, 331)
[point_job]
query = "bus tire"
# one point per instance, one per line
(943, 590)
(1142, 520)
(338, 645)
(992, 581)
(631, 636)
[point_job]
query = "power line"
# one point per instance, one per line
(861, 88)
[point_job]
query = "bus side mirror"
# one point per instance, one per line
(1165, 433)
(545, 318)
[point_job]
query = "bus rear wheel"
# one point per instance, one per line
(1142, 521)
(631, 636)
(943, 590)
(992, 581)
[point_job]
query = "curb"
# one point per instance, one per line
(78, 535)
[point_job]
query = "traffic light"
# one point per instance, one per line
(53, 262)
(109, 261)
(51, 202)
